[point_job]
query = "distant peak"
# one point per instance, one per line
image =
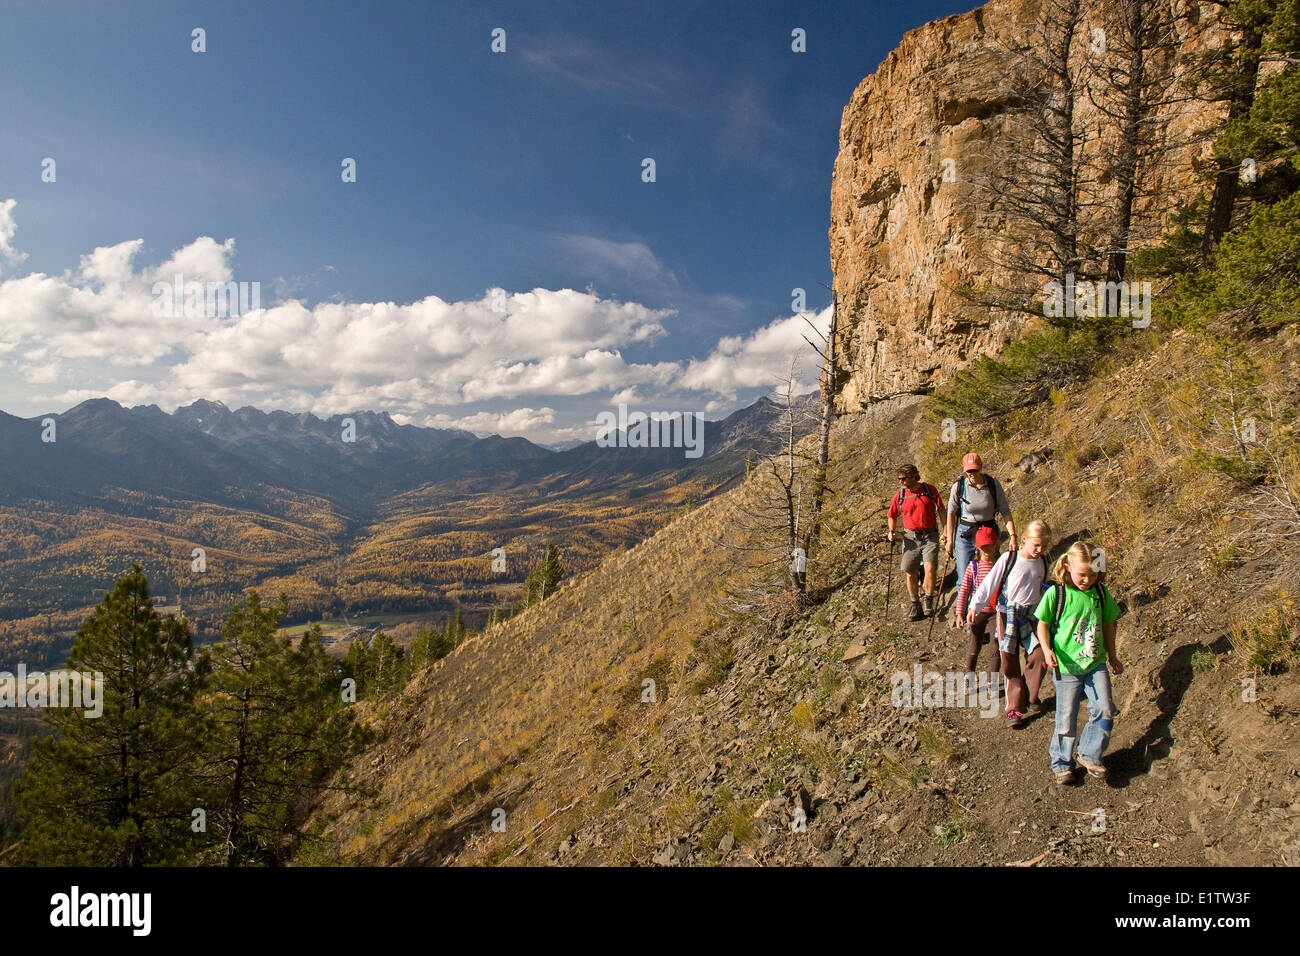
(204, 405)
(96, 405)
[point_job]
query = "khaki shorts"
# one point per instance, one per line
(918, 548)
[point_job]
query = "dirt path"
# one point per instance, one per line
(1022, 813)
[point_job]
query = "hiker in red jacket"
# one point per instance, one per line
(923, 512)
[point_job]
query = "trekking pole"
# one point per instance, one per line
(889, 575)
(934, 607)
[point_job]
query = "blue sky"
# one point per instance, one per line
(519, 171)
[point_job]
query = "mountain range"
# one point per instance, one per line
(204, 450)
(399, 518)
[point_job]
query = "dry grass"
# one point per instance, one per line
(1266, 640)
(566, 677)
(935, 742)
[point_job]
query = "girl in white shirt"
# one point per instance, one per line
(1018, 592)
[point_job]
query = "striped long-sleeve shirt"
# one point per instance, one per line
(976, 572)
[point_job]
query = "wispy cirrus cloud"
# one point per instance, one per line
(572, 61)
(610, 259)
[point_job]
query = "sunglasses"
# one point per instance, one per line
(972, 471)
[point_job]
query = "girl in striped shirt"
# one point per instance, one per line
(986, 544)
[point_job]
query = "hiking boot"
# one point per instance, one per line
(917, 614)
(929, 604)
(1063, 777)
(1094, 769)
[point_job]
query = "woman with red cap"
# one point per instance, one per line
(975, 501)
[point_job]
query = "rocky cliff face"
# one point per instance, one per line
(910, 224)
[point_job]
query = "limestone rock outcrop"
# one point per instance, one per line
(908, 228)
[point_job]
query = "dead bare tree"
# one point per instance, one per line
(781, 524)
(790, 471)
(770, 520)
(1042, 193)
(1276, 504)
(1133, 83)
(827, 383)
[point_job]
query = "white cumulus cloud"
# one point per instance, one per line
(95, 332)
(8, 227)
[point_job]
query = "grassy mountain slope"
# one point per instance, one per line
(543, 717)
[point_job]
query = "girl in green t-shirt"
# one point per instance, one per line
(1078, 644)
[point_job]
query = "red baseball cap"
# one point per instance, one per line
(985, 537)
(972, 460)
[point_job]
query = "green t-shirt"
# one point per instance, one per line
(1084, 614)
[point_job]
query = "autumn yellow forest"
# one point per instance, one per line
(425, 550)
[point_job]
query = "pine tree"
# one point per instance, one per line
(390, 667)
(113, 790)
(274, 724)
(544, 578)
(434, 644)
(357, 666)
(1254, 277)
(420, 653)
(1230, 73)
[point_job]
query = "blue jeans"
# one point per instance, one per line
(963, 551)
(1070, 689)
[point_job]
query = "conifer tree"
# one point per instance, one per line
(420, 653)
(390, 670)
(113, 790)
(1230, 73)
(357, 666)
(544, 578)
(273, 725)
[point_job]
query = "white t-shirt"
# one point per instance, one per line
(1024, 584)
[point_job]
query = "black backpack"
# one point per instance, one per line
(925, 493)
(1060, 603)
(997, 597)
(993, 487)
